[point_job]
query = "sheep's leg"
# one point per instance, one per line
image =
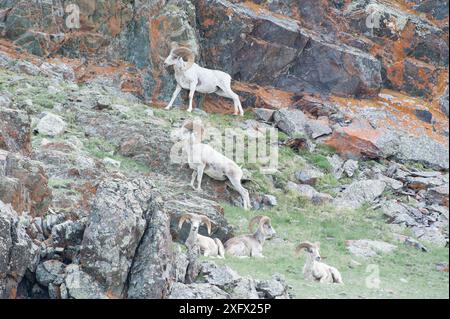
(174, 96)
(242, 191)
(192, 87)
(228, 93)
(200, 170)
(194, 176)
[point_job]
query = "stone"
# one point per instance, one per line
(336, 165)
(431, 235)
(15, 131)
(359, 193)
(369, 248)
(24, 184)
(18, 253)
(112, 162)
(309, 176)
(265, 115)
(439, 195)
(48, 271)
(308, 192)
(318, 128)
(119, 208)
(80, 285)
(51, 125)
(275, 288)
(349, 167)
(197, 291)
(270, 200)
(291, 122)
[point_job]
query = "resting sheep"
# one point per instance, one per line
(314, 269)
(208, 246)
(251, 245)
(203, 159)
(190, 76)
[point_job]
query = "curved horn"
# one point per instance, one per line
(183, 219)
(304, 245)
(264, 220)
(253, 221)
(186, 54)
(207, 222)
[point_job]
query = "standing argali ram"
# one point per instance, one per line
(190, 76)
(203, 159)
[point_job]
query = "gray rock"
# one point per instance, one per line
(18, 253)
(430, 234)
(438, 195)
(336, 165)
(423, 150)
(153, 265)
(310, 193)
(443, 101)
(116, 223)
(223, 277)
(5, 100)
(359, 193)
(291, 122)
(265, 115)
(369, 248)
(274, 288)
(270, 200)
(48, 271)
(80, 285)
(51, 125)
(317, 128)
(309, 176)
(197, 291)
(349, 167)
(390, 182)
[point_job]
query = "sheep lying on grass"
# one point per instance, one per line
(251, 245)
(316, 270)
(208, 246)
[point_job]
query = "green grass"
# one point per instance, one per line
(406, 273)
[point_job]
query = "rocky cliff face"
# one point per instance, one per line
(89, 201)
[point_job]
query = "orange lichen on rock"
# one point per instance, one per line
(398, 111)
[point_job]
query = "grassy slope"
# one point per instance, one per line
(405, 273)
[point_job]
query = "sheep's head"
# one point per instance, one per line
(180, 56)
(264, 226)
(312, 249)
(190, 129)
(196, 221)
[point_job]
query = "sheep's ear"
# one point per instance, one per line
(317, 244)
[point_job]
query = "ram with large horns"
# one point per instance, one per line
(251, 245)
(208, 246)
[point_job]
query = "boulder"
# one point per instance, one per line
(24, 184)
(197, 291)
(80, 285)
(369, 248)
(265, 115)
(116, 223)
(15, 131)
(49, 272)
(51, 125)
(309, 176)
(308, 192)
(315, 62)
(359, 193)
(18, 253)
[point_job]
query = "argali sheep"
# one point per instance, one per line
(208, 246)
(251, 245)
(203, 159)
(190, 76)
(314, 269)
